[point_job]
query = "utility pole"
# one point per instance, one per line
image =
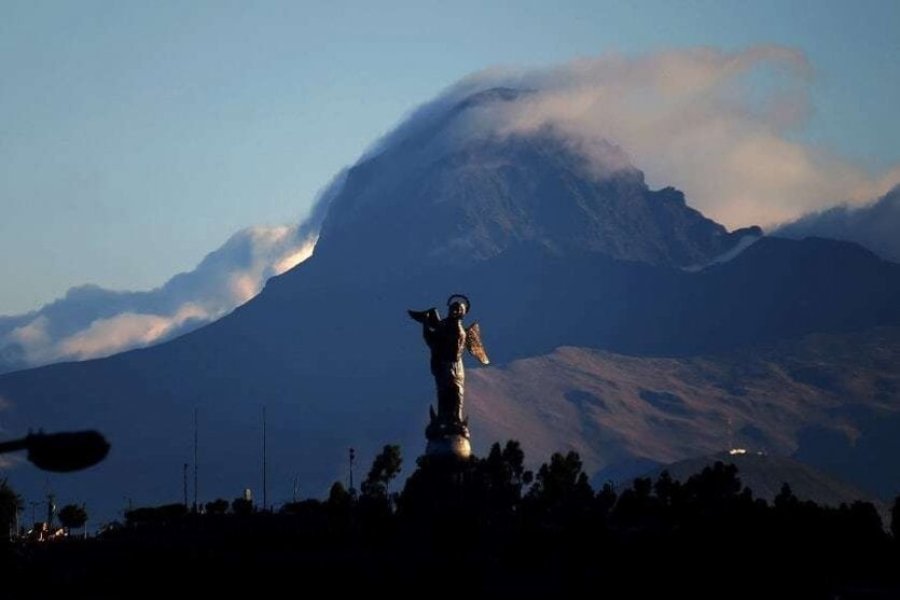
(184, 484)
(264, 465)
(51, 510)
(196, 500)
(352, 459)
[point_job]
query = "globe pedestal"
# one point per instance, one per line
(447, 439)
(450, 446)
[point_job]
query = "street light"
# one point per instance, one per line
(61, 452)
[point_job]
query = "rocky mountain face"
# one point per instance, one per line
(430, 202)
(607, 334)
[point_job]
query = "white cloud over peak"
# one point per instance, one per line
(719, 125)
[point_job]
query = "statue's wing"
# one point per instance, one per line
(474, 345)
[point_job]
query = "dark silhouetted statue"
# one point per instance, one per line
(448, 432)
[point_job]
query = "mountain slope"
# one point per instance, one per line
(830, 400)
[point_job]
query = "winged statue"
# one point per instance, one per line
(447, 338)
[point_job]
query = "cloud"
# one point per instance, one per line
(719, 125)
(91, 322)
(876, 225)
(34, 333)
(127, 330)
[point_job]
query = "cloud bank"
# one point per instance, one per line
(719, 125)
(90, 322)
(875, 226)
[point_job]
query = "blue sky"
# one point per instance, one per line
(135, 137)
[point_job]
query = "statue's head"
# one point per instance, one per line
(458, 305)
(458, 310)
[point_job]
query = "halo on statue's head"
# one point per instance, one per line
(459, 298)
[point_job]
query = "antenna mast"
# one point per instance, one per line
(352, 459)
(195, 461)
(264, 462)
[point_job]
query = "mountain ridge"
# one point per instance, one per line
(490, 193)
(874, 225)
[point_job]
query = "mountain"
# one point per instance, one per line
(555, 250)
(875, 226)
(828, 399)
(491, 196)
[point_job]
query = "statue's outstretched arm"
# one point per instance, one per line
(429, 318)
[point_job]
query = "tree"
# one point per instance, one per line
(73, 516)
(895, 518)
(385, 467)
(786, 500)
(716, 484)
(561, 479)
(241, 506)
(217, 507)
(500, 477)
(605, 499)
(156, 515)
(507, 466)
(561, 490)
(338, 496)
(339, 506)
(667, 489)
(10, 505)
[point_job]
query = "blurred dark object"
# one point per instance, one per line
(61, 452)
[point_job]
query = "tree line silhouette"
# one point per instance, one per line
(489, 526)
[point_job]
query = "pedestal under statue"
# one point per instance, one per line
(448, 430)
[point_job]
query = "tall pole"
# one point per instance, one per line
(264, 465)
(196, 496)
(51, 509)
(184, 484)
(352, 458)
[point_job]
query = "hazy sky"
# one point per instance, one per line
(135, 137)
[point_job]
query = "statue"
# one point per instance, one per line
(448, 431)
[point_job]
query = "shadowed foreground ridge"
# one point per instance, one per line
(496, 528)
